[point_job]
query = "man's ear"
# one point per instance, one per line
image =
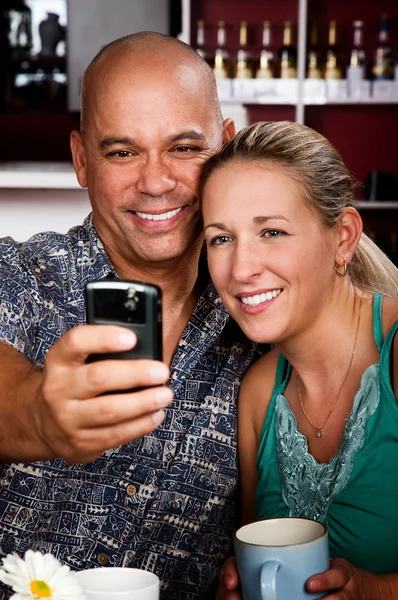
(349, 233)
(228, 130)
(78, 157)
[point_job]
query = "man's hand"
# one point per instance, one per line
(68, 414)
(228, 588)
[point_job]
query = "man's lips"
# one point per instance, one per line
(158, 215)
(160, 220)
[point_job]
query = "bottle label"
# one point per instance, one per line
(264, 73)
(333, 73)
(355, 73)
(288, 72)
(314, 73)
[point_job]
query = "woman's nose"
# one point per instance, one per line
(246, 263)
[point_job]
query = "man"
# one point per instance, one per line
(120, 479)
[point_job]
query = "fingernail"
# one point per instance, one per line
(127, 339)
(313, 586)
(158, 373)
(163, 396)
(158, 416)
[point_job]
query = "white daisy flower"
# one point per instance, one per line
(39, 576)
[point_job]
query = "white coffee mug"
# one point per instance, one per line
(119, 583)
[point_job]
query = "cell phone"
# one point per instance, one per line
(132, 304)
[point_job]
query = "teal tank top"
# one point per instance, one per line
(356, 493)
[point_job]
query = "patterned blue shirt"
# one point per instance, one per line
(165, 502)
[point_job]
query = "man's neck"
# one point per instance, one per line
(180, 287)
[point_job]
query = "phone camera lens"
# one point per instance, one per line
(131, 300)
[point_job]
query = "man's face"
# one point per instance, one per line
(148, 137)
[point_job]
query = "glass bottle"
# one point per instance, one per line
(221, 57)
(266, 68)
(356, 70)
(288, 54)
(314, 67)
(333, 68)
(244, 63)
(201, 47)
(383, 66)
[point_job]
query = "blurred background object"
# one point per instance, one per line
(332, 65)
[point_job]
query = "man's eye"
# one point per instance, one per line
(185, 149)
(219, 240)
(120, 153)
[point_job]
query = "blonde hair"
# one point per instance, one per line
(324, 180)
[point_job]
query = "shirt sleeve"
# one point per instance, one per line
(19, 299)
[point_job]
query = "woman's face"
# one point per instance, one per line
(269, 257)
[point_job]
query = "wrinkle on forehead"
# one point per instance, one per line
(170, 75)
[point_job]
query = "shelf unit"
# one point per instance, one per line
(298, 99)
(364, 130)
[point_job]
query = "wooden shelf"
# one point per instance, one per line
(380, 205)
(293, 101)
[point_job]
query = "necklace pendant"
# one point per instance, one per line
(318, 433)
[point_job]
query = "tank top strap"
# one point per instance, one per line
(385, 360)
(377, 320)
(283, 372)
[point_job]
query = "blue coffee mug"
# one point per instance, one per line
(275, 558)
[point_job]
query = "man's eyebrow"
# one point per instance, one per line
(115, 141)
(126, 141)
(191, 134)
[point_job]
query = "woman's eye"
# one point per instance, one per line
(272, 233)
(219, 240)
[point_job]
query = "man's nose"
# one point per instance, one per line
(246, 263)
(155, 179)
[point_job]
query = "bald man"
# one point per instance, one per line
(145, 479)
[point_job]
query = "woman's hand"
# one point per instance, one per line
(346, 582)
(229, 582)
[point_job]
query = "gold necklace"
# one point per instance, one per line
(318, 430)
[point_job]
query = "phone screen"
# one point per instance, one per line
(120, 305)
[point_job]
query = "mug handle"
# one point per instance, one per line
(268, 579)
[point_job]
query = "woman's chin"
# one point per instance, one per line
(259, 337)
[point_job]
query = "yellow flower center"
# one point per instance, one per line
(40, 589)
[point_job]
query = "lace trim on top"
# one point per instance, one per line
(308, 486)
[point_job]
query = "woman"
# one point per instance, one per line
(318, 415)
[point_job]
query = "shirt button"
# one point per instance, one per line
(131, 490)
(103, 558)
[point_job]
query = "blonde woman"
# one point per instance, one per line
(318, 415)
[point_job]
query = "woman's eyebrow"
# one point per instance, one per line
(261, 220)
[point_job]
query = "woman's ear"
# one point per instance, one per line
(349, 233)
(78, 157)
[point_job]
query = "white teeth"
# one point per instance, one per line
(259, 298)
(161, 217)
